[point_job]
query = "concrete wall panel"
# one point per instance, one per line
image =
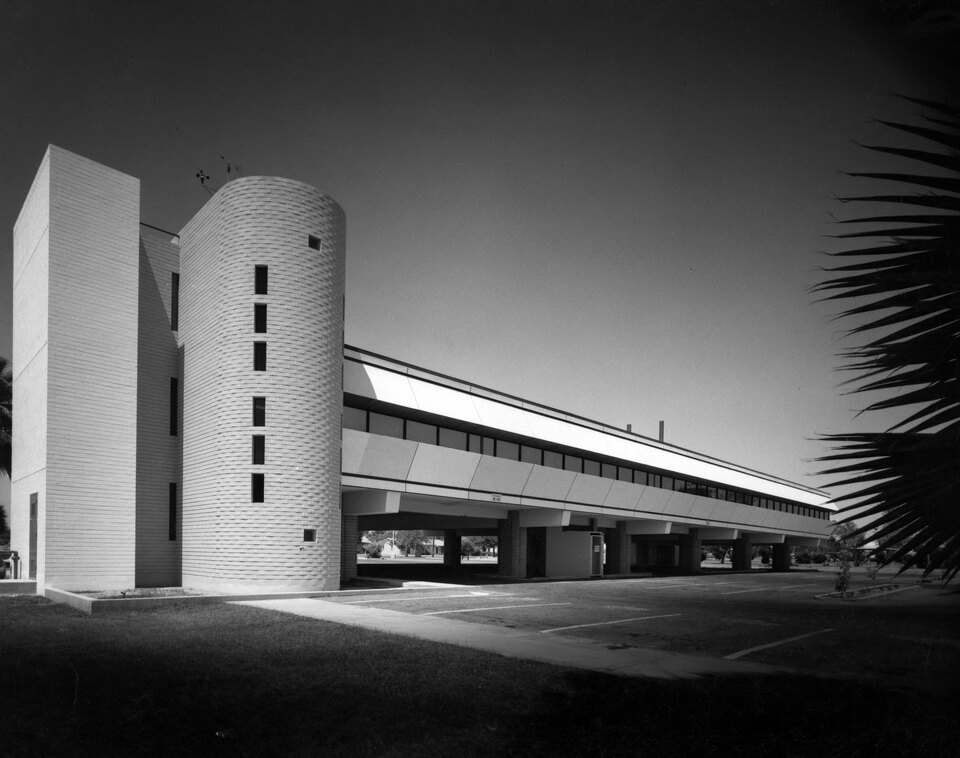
(443, 466)
(549, 483)
(591, 490)
(623, 496)
(500, 475)
(386, 457)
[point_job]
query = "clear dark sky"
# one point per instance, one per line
(616, 208)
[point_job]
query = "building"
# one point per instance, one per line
(187, 413)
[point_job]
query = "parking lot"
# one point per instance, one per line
(911, 636)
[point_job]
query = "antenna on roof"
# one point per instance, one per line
(234, 170)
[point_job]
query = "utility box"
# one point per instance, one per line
(574, 553)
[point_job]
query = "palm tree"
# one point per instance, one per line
(6, 417)
(905, 283)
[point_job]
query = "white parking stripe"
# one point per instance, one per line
(688, 584)
(489, 608)
(401, 598)
(767, 589)
(734, 656)
(607, 623)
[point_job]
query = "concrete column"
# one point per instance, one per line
(451, 548)
(348, 548)
(781, 556)
(512, 551)
(742, 553)
(690, 551)
(618, 549)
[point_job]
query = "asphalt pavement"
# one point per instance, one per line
(680, 626)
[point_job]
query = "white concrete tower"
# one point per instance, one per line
(261, 324)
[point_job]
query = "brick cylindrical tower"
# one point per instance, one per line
(261, 321)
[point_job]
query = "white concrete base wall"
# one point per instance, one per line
(568, 553)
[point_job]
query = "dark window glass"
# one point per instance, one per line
(259, 411)
(488, 445)
(667, 482)
(453, 438)
(731, 496)
(355, 418)
(309, 535)
(573, 463)
(313, 242)
(624, 474)
(172, 512)
(259, 356)
(260, 318)
(421, 432)
(508, 450)
(256, 488)
(552, 459)
(591, 467)
(260, 280)
(609, 471)
(711, 491)
(175, 301)
(388, 426)
(259, 448)
(679, 485)
(174, 405)
(531, 454)
(653, 480)
(474, 443)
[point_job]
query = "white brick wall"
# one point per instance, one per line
(158, 453)
(229, 542)
(88, 387)
(29, 361)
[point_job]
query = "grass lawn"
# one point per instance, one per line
(231, 680)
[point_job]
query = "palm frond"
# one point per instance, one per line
(904, 292)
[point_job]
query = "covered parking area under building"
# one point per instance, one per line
(535, 542)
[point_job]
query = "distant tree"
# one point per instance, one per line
(903, 285)
(411, 541)
(6, 417)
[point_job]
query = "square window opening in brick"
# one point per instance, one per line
(259, 356)
(259, 411)
(175, 301)
(260, 318)
(256, 488)
(172, 512)
(260, 280)
(309, 535)
(313, 242)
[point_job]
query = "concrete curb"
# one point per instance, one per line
(98, 605)
(18, 587)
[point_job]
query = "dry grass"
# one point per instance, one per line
(231, 680)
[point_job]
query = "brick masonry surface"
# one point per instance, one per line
(231, 543)
(76, 284)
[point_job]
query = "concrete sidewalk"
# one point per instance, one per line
(560, 651)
